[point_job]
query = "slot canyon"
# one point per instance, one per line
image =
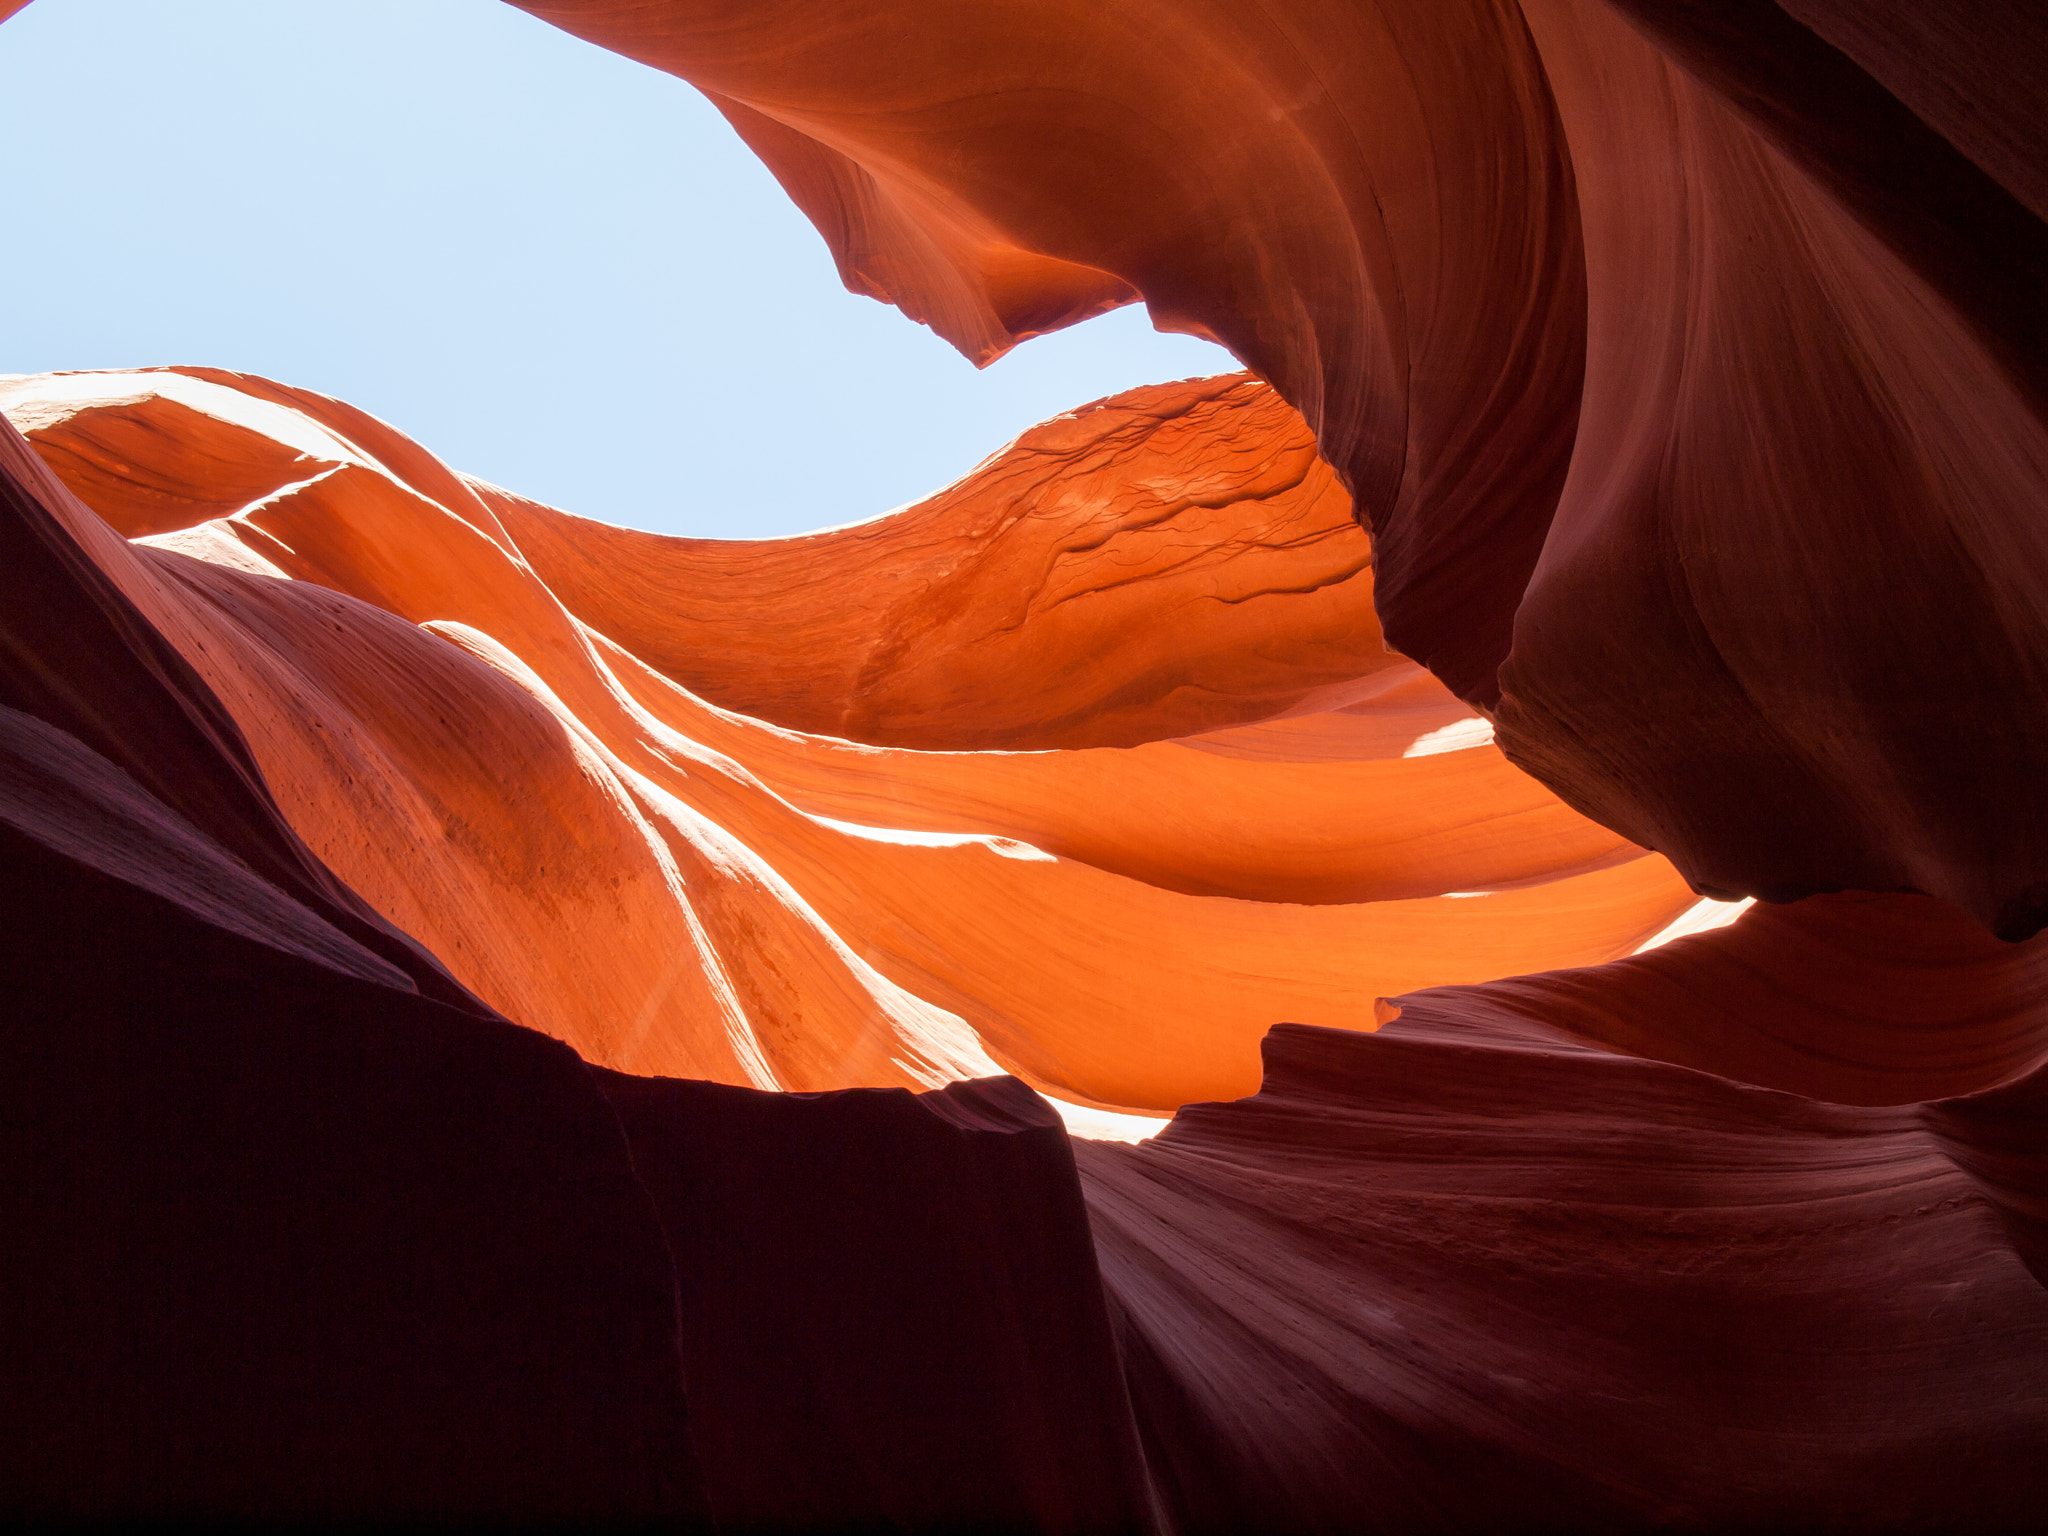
(1442, 932)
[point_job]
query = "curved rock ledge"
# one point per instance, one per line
(507, 1017)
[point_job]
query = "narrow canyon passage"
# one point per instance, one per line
(1440, 933)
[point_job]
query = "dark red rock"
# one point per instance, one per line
(1464, 1275)
(1689, 373)
(1687, 362)
(287, 1239)
(892, 1318)
(1849, 999)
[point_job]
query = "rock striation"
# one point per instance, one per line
(1641, 335)
(511, 1017)
(519, 785)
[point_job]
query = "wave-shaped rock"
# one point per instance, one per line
(1689, 379)
(1463, 1275)
(518, 789)
(1687, 370)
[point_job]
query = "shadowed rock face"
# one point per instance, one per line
(1686, 362)
(507, 1015)
(473, 709)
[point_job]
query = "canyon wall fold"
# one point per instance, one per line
(1610, 1293)
(516, 1018)
(1645, 336)
(517, 759)
(1482, 1238)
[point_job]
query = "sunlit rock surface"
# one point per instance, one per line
(508, 1015)
(1691, 381)
(522, 782)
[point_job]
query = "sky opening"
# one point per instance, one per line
(557, 269)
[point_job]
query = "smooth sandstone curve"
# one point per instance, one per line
(520, 791)
(1690, 382)
(1676, 350)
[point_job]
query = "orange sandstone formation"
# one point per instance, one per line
(1687, 365)
(1151, 566)
(519, 789)
(1635, 360)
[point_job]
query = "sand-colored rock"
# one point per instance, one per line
(1157, 565)
(520, 791)
(1636, 362)
(1370, 205)
(1688, 365)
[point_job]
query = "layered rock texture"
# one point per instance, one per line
(529, 741)
(515, 1017)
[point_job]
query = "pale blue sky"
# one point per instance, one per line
(557, 269)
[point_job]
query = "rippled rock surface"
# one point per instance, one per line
(514, 1017)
